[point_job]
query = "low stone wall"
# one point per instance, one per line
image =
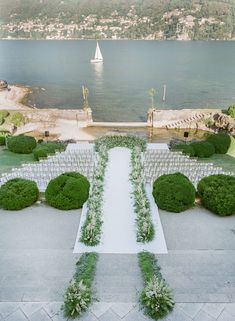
(50, 115)
(179, 118)
(204, 119)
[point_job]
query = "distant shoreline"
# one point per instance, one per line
(75, 124)
(124, 39)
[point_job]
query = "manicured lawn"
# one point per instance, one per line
(9, 159)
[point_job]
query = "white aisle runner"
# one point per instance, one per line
(119, 228)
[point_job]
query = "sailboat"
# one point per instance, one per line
(98, 55)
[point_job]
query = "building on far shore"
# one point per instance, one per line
(3, 85)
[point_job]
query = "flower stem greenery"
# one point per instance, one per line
(128, 141)
(145, 228)
(156, 297)
(91, 230)
(78, 295)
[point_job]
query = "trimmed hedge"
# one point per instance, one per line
(18, 193)
(79, 294)
(185, 148)
(221, 142)
(203, 149)
(156, 297)
(217, 193)
(174, 192)
(68, 191)
(21, 144)
(2, 141)
(42, 150)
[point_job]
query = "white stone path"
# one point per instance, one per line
(119, 227)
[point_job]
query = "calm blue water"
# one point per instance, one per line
(197, 74)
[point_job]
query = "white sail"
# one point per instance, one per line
(98, 55)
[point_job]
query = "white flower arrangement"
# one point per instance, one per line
(145, 228)
(91, 230)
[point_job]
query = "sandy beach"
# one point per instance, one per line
(12, 99)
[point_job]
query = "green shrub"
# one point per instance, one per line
(18, 193)
(217, 194)
(2, 141)
(203, 149)
(174, 192)
(43, 150)
(21, 144)
(4, 114)
(221, 142)
(185, 148)
(231, 111)
(156, 297)
(68, 191)
(17, 119)
(78, 295)
(1, 120)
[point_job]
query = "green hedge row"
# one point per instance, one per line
(156, 297)
(79, 294)
(216, 143)
(44, 149)
(175, 193)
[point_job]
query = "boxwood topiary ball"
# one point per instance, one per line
(21, 144)
(68, 191)
(174, 192)
(203, 149)
(217, 193)
(221, 142)
(18, 193)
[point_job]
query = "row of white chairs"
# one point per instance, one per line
(157, 163)
(42, 172)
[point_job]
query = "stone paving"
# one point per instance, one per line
(112, 311)
(37, 263)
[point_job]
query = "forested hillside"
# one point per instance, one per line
(118, 19)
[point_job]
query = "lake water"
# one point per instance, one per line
(197, 74)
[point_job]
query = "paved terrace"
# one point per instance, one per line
(37, 263)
